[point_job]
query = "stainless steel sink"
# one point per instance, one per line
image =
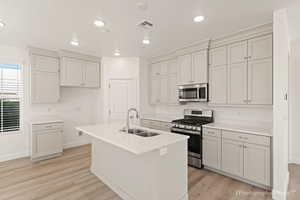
(147, 134)
(140, 132)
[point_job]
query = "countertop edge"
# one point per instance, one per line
(237, 129)
(125, 148)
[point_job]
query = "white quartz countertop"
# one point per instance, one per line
(160, 117)
(43, 119)
(256, 130)
(110, 133)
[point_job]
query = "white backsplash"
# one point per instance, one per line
(256, 116)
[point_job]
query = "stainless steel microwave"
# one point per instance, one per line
(193, 93)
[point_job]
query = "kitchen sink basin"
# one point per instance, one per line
(140, 132)
(147, 134)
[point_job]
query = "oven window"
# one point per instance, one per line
(194, 144)
(189, 93)
(202, 93)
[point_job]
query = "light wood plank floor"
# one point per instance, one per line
(68, 178)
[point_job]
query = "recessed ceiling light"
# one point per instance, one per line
(99, 23)
(2, 24)
(198, 19)
(146, 41)
(117, 52)
(74, 43)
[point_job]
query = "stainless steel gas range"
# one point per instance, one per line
(191, 125)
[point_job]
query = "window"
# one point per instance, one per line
(10, 97)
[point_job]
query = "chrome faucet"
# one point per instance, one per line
(128, 113)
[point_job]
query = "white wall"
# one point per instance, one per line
(257, 116)
(76, 107)
(116, 68)
(293, 15)
(280, 111)
(294, 98)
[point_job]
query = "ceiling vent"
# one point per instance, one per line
(145, 25)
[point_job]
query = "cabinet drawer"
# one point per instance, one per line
(212, 132)
(248, 138)
(47, 126)
(165, 126)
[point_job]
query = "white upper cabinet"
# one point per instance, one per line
(249, 72)
(260, 48)
(193, 68)
(79, 73)
(92, 75)
(155, 69)
(185, 70)
(44, 63)
(72, 72)
(163, 82)
(237, 53)
(218, 57)
(237, 86)
(44, 77)
(260, 78)
(200, 67)
(218, 85)
(44, 87)
(237, 73)
(155, 91)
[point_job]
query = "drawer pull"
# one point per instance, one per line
(244, 138)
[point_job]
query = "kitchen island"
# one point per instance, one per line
(137, 167)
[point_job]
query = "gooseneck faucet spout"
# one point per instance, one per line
(128, 117)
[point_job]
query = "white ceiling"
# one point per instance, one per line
(52, 23)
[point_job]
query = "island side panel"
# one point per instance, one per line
(172, 172)
(149, 176)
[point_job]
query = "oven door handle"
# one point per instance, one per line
(178, 130)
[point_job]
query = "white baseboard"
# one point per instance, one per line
(279, 195)
(295, 159)
(13, 156)
(76, 143)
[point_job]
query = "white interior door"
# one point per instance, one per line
(122, 96)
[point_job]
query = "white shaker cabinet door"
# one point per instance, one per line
(260, 48)
(212, 152)
(200, 67)
(232, 157)
(237, 83)
(92, 74)
(72, 72)
(257, 163)
(218, 85)
(218, 56)
(163, 90)
(155, 91)
(47, 142)
(185, 69)
(155, 69)
(44, 87)
(172, 89)
(237, 52)
(44, 63)
(260, 82)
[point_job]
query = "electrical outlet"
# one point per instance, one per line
(80, 133)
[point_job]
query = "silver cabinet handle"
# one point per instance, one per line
(245, 147)
(212, 133)
(244, 138)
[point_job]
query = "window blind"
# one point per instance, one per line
(10, 97)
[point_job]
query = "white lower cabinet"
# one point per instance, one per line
(154, 124)
(232, 157)
(257, 163)
(46, 140)
(244, 156)
(212, 152)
